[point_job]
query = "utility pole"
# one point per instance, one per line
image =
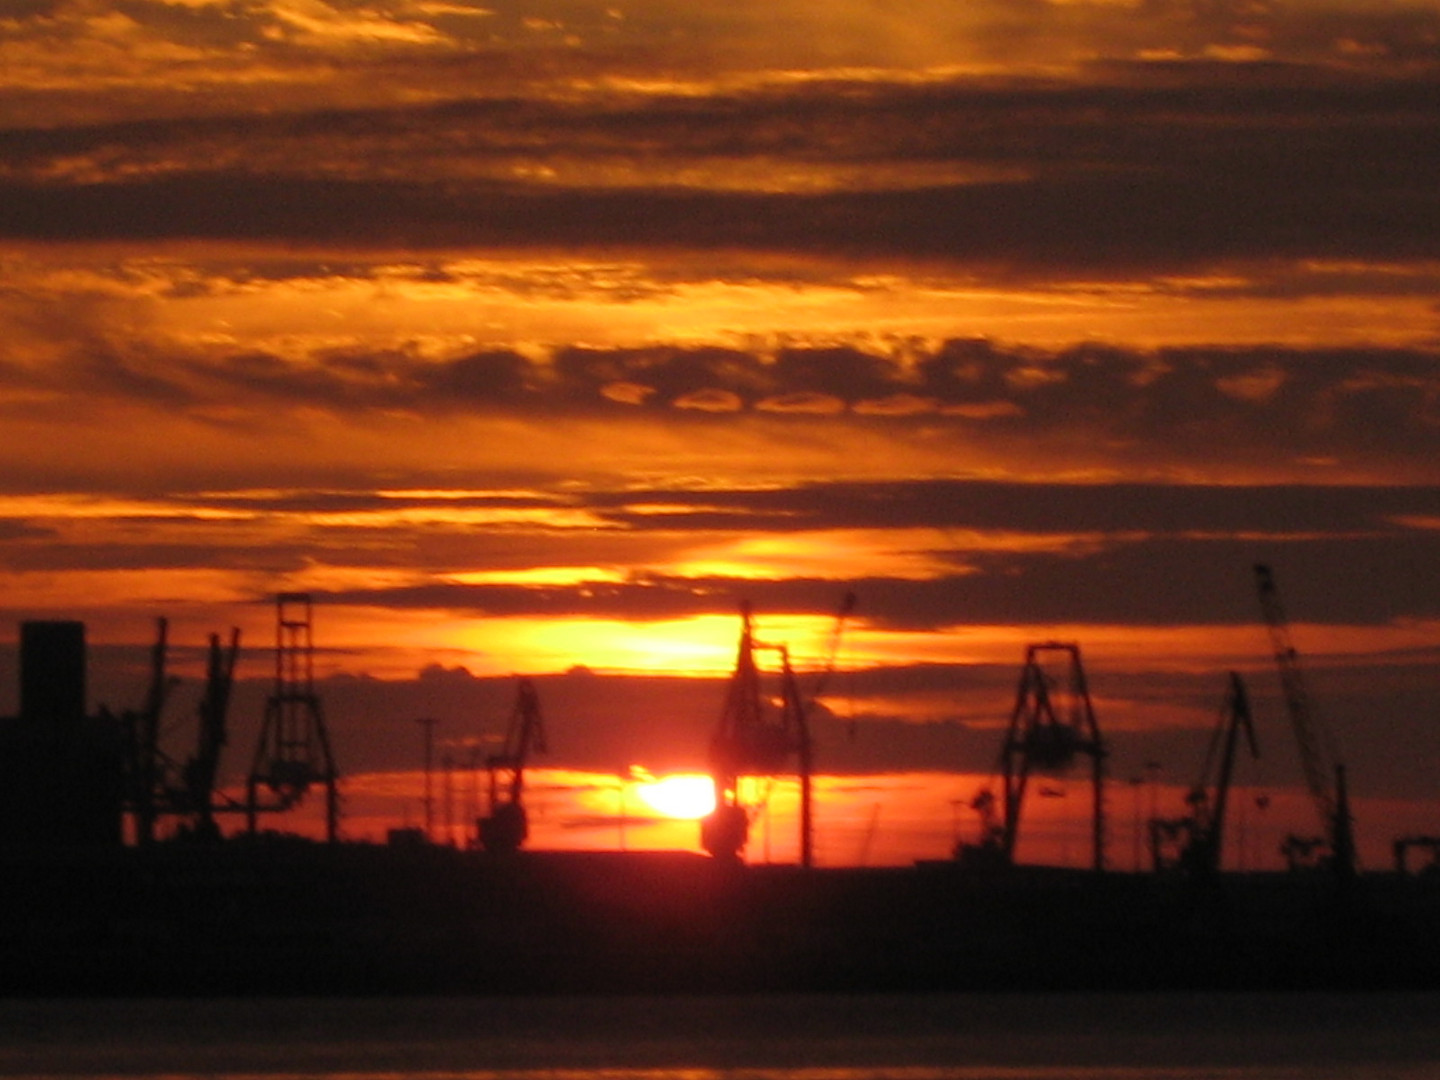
(474, 814)
(447, 770)
(1136, 782)
(428, 723)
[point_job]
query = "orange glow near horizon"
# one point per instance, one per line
(888, 819)
(699, 645)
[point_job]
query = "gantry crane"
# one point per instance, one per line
(1324, 774)
(1197, 839)
(507, 826)
(294, 748)
(1041, 738)
(754, 738)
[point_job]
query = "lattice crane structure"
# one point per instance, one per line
(758, 735)
(1052, 723)
(293, 754)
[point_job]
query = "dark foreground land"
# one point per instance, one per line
(274, 917)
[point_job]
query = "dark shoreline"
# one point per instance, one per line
(294, 918)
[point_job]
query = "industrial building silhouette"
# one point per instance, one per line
(62, 769)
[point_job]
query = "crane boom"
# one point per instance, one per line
(200, 771)
(1314, 756)
(149, 763)
(526, 734)
(1324, 775)
(832, 650)
(1193, 844)
(507, 827)
(1237, 719)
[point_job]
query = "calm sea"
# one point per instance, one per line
(962, 1037)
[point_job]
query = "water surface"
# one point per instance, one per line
(942, 1037)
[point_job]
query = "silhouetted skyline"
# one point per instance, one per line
(535, 338)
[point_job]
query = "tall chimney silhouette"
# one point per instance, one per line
(52, 674)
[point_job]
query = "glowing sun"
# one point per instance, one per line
(683, 795)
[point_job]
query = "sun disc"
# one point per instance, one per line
(683, 795)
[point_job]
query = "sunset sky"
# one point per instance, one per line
(533, 337)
